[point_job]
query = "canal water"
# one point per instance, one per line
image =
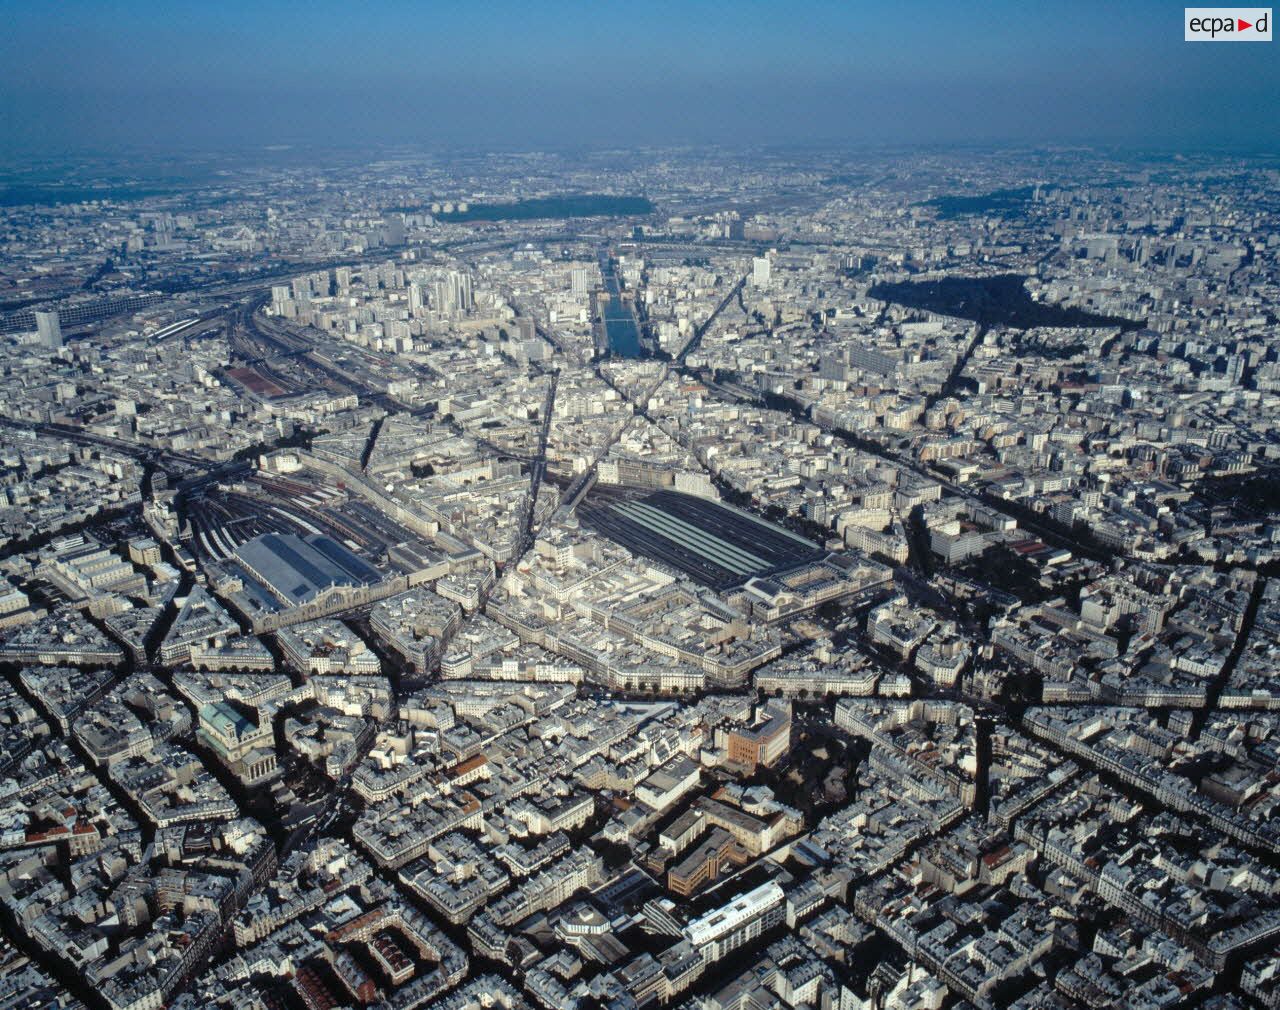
(619, 321)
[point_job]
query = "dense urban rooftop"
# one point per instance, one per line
(706, 579)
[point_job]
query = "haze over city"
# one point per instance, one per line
(84, 74)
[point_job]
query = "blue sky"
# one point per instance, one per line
(102, 74)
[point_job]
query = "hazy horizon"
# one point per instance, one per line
(81, 76)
